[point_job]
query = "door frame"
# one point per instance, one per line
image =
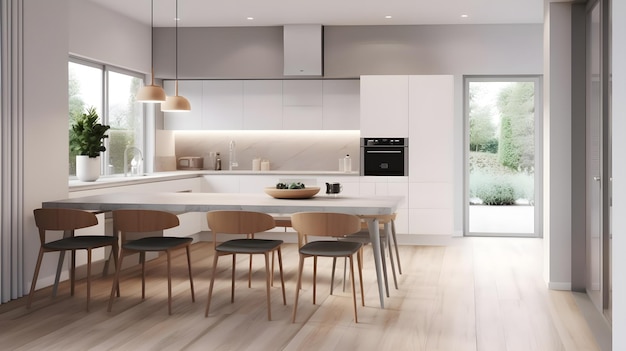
(538, 179)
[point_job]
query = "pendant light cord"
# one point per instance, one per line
(176, 69)
(152, 39)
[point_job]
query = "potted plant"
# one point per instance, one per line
(87, 141)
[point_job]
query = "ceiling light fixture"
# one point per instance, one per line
(388, 17)
(464, 16)
(250, 18)
(176, 103)
(151, 93)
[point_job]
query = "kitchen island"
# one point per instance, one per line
(204, 202)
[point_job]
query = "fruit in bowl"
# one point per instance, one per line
(292, 191)
(297, 185)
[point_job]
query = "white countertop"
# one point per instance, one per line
(119, 180)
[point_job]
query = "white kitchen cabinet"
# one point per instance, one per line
(302, 105)
(431, 114)
(263, 104)
(384, 106)
(222, 105)
(431, 172)
(302, 117)
(302, 92)
(192, 120)
(341, 104)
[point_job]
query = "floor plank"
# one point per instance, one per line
(479, 294)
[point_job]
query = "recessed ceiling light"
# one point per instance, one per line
(388, 17)
(249, 18)
(176, 19)
(464, 16)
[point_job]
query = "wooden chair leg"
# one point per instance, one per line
(232, 281)
(298, 286)
(282, 278)
(353, 287)
(35, 275)
(193, 295)
(360, 264)
(116, 260)
(314, 278)
(88, 277)
(250, 273)
(208, 303)
(116, 280)
(332, 275)
(393, 265)
(73, 273)
(267, 285)
(169, 282)
(142, 258)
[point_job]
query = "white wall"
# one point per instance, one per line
(108, 37)
(94, 33)
(619, 175)
(557, 147)
(45, 116)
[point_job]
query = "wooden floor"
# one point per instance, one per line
(475, 294)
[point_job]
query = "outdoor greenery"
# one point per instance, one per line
(502, 146)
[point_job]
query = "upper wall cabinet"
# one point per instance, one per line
(192, 90)
(222, 105)
(301, 104)
(384, 106)
(263, 104)
(341, 104)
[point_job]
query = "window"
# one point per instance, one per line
(112, 92)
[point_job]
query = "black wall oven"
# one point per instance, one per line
(384, 156)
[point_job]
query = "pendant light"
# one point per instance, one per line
(151, 93)
(176, 103)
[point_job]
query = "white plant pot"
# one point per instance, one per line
(87, 168)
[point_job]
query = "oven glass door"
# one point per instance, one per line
(384, 161)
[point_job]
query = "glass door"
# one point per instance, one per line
(502, 165)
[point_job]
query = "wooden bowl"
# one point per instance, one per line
(292, 193)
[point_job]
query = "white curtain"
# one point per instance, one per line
(11, 151)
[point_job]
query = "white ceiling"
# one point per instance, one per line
(214, 13)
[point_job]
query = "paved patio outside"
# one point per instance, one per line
(517, 219)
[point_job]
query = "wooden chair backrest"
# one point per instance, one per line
(62, 219)
(143, 221)
(325, 223)
(239, 222)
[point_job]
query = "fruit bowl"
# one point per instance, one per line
(292, 193)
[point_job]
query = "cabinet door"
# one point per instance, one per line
(341, 104)
(263, 104)
(192, 120)
(222, 102)
(384, 106)
(431, 111)
(302, 104)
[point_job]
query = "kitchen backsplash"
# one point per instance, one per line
(286, 150)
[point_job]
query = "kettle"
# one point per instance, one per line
(333, 188)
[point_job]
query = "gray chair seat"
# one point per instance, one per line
(326, 248)
(80, 242)
(248, 246)
(159, 243)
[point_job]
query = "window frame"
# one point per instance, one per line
(104, 115)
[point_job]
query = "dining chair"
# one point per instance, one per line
(247, 223)
(363, 236)
(148, 222)
(327, 224)
(68, 220)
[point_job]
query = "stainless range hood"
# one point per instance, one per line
(302, 49)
